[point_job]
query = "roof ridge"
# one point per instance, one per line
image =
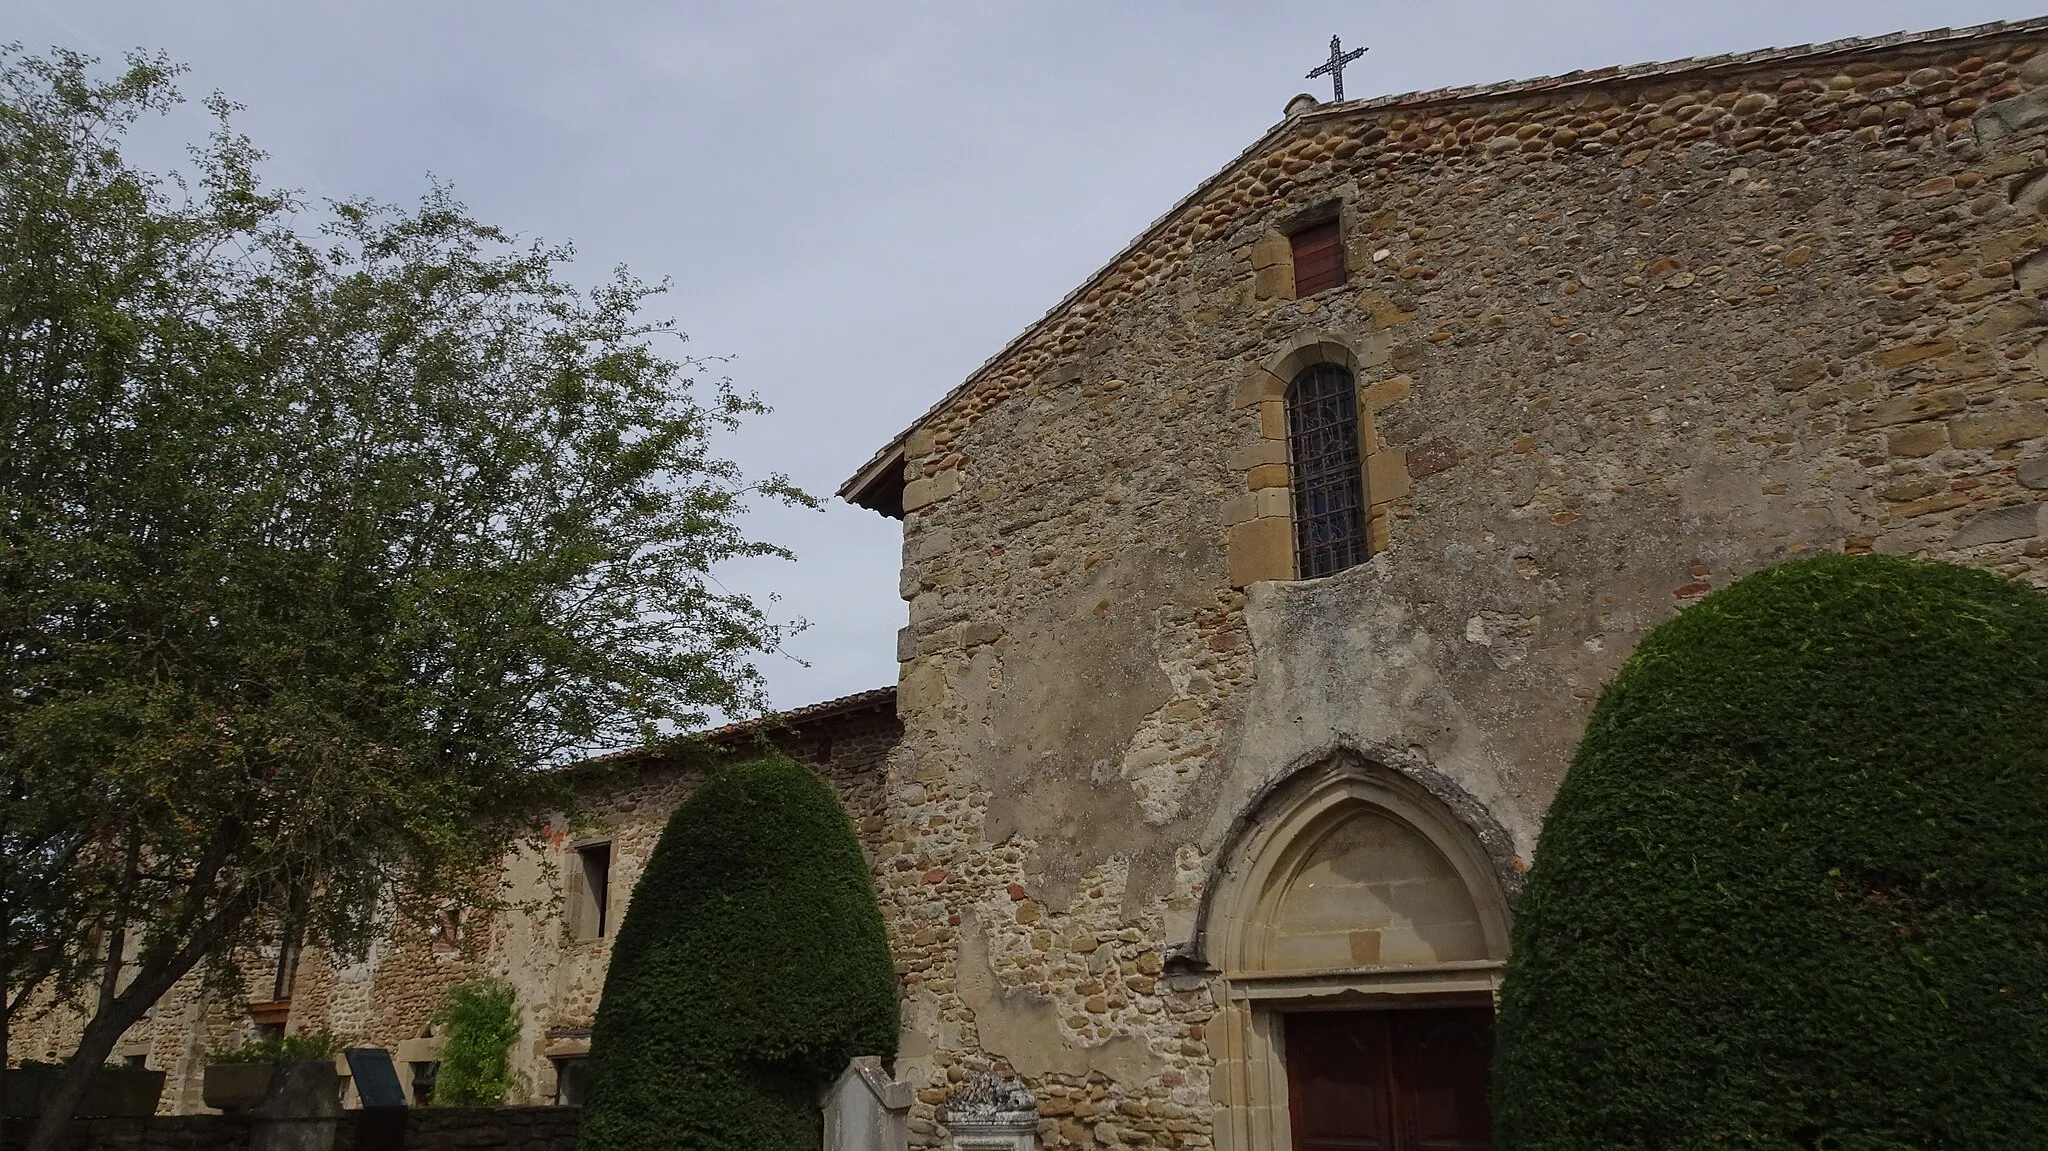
(1652, 69)
(1604, 75)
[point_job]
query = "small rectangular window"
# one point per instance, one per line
(270, 1018)
(447, 931)
(569, 1080)
(423, 1075)
(287, 966)
(1318, 258)
(590, 890)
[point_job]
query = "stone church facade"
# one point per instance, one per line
(1259, 592)
(1540, 364)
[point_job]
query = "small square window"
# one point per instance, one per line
(1318, 258)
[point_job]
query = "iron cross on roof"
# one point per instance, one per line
(1334, 69)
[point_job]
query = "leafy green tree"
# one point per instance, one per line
(481, 1025)
(1790, 893)
(751, 967)
(325, 532)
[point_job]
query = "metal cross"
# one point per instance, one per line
(1335, 68)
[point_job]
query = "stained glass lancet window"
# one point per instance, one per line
(1329, 489)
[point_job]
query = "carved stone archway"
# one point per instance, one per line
(1350, 884)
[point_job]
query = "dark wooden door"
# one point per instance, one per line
(1443, 1057)
(1389, 1080)
(1340, 1082)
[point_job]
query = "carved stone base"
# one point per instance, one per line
(992, 1113)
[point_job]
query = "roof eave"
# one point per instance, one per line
(895, 447)
(878, 486)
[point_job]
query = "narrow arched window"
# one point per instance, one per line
(1323, 466)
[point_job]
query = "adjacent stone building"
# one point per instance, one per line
(1258, 593)
(570, 894)
(1517, 372)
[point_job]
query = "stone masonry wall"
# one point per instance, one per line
(1621, 341)
(386, 999)
(156, 1133)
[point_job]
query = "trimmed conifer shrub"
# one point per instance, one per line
(751, 966)
(1793, 892)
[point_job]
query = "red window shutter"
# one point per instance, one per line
(1318, 258)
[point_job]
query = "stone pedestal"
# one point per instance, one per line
(992, 1113)
(301, 1111)
(865, 1110)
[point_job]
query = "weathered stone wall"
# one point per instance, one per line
(1622, 341)
(386, 999)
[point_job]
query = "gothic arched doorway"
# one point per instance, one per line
(1359, 928)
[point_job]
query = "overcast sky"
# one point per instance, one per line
(857, 202)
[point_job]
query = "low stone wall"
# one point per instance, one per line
(510, 1128)
(155, 1133)
(432, 1129)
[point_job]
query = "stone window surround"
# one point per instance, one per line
(421, 1049)
(1261, 520)
(557, 1045)
(1250, 1080)
(1273, 252)
(590, 916)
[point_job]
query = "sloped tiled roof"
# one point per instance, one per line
(869, 700)
(874, 699)
(1734, 61)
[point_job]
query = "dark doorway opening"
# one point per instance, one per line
(1390, 1080)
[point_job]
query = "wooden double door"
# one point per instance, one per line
(1389, 1080)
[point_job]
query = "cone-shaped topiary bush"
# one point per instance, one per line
(751, 966)
(1794, 891)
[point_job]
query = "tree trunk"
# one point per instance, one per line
(94, 1046)
(159, 968)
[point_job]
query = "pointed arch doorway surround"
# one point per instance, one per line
(1358, 927)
